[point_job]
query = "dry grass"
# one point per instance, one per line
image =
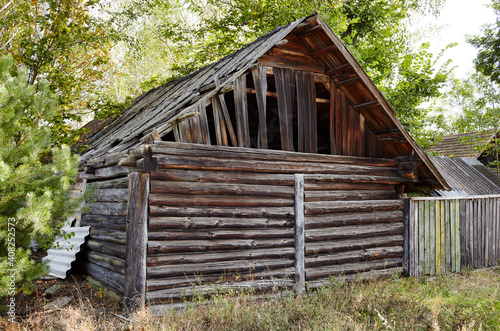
(468, 301)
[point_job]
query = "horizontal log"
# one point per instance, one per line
(105, 208)
(221, 189)
(114, 280)
(109, 172)
(222, 267)
(326, 207)
(195, 258)
(106, 248)
(275, 95)
(370, 275)
(111, 195)
(182, 293)
(349, 195)
(159, 199)
(332, 186)
(219, 163)
(215, 234)
(222, 177)
(354, 256)
(315, 248)
(354, 232)
(352, 268)
(313, 178)
(271, 212)
(121, 182)
(103, 221)
(154, 284)
(107, 261)
(162, 223)
(339, 220)
(177, 148)
(108, 235)
(183, 246)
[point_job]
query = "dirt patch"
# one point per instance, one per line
(34, 304)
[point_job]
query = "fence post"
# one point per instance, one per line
(299, 235)
(406, 236)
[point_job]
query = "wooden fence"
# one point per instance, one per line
(450, 234)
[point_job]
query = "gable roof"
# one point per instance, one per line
(466, 177)
(158, 108)
(470, 144)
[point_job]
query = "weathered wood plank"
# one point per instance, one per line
(360, 231)
(200, 188)
(351, 268)
(260, 83)
(241, 105)
(432, 238)
(285, 88)
(299, 234)
(457, 235)
(437, 217)
(272, 212)
(162, 199)
(137, 242)
(350, 195)
(174, 148)
(105, 208)
(217, 234)
(195, 223)
(421, 237)
(326, 207)
(406, 236)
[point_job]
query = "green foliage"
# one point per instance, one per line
(488, 44)
(34, 174)
(61, 42)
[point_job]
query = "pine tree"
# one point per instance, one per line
(34, 175)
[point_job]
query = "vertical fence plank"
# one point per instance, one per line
(447, 233)
(443, 236)
(457, 236)
(421, 238)
(416, 239)
(475, 228)
(487, 237)
(406, 236)
(438, 236)
(432, 237)
(299, 237)
(496, 220)
(452, 236)
(427, 232)
(463, 232)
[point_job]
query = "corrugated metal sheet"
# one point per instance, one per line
(63, 251)
(466, 176)
(463, 144)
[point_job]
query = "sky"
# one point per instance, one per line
(459, 18)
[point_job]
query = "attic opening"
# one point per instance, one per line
(280, 109)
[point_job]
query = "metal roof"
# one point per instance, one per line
(466, 176)
(470, 144)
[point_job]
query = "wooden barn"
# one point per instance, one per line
(276, 167)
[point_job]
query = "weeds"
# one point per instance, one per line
(467, 301)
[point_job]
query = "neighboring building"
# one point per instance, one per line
(477, 145)
(200, 180)
(466, 177)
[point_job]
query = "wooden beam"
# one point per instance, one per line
(342, 67)
(309, 32)
(299, 235)
(225, 112)
(391, 140)
(318, 77)
(348, 81)
(386, 131)
(287, 63)
(323, 51)
(333, 147)
(366, 105)
(137, 242)
(275, 95)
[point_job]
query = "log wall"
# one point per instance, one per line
(107, 216)
(226, 216)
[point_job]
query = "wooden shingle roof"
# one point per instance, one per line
(470, 144)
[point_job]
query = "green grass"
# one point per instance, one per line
(467, 301)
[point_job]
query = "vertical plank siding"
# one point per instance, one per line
(451, 234)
